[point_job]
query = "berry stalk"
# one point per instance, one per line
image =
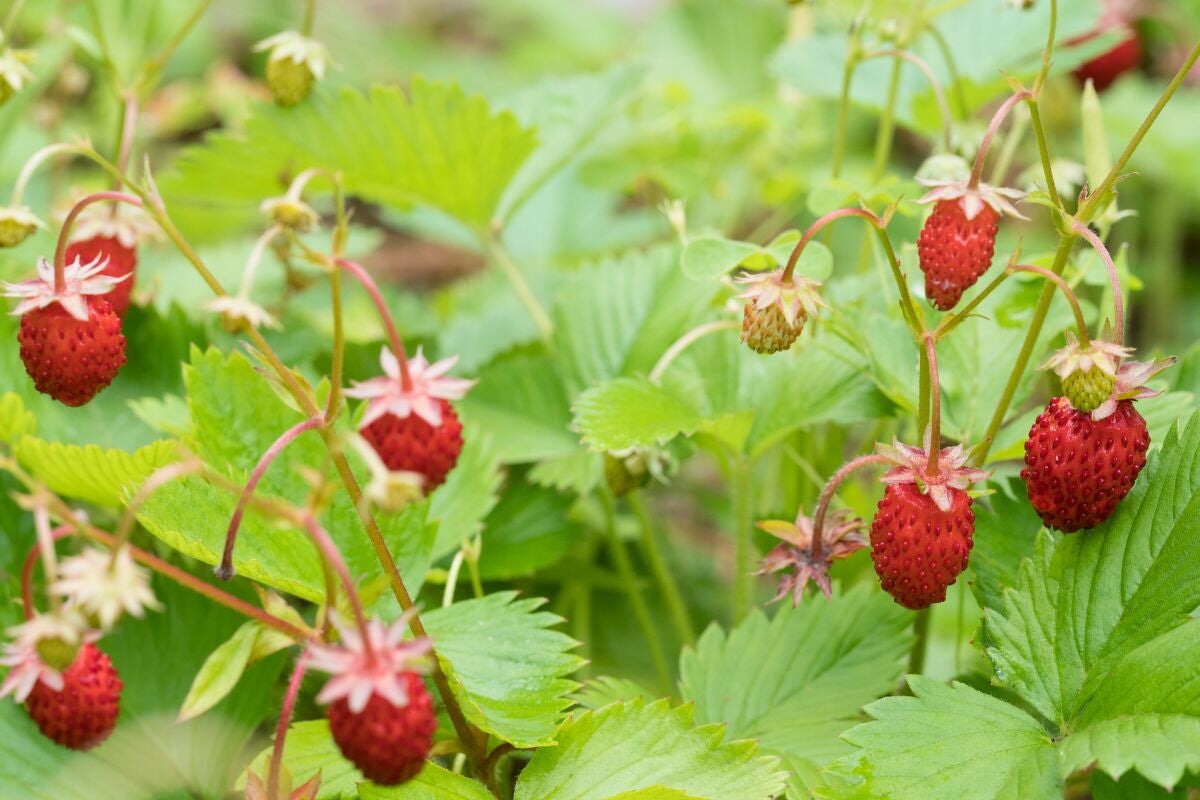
(935, 405)
(60, 252)
(986, 143)
(331, 555)
(225, 570)
(835, 480)
(1113, 278)
(35, 161)
(385, 316)
(684, 342)
(285, 719)
(31, 559)
(1061, 284)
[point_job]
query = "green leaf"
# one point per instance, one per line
(468, 495)
(617, 316)
(220, 672)
(15, 421)
(1084, 602)
(949, 742)
(627, 747)
(628, 412)
(527, 531)
(1131, 787)
(568, 113)
(91, 473)
(796, 682)
(431, 783)
(599, 692)
(505, 665)
(440, 147)
(1006, 528)
(707, 258)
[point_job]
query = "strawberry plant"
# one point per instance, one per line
(547, 401)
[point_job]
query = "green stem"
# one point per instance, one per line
(339, 348)
(310, 16)
(110, 65)
(13, 11)
(952, 321)
(916, 659)
(524, 292)
(661, 571)
(959, 94)
(1008, 151)
(923, 393)
(1043, 151)
(887, 126)
(743, 532)
(633, 591)
(154, 67)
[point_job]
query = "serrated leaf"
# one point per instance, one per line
(91, 473)
(1084, 602)
(220, 672)
(469, 494)
(629, 747)
(796, 682)
(599, 692)
(431, 783)
(15, 420)
(1006, 527)
(949, 742)
(506, 666)
(631, 412)
(528, 530)
(707, 258)
(439, 147)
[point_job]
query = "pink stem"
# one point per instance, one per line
(127, 126)
(385, 316)
(993, 126)
(60, 252)
(285, 719)
(225, 570)
(61, 532)
(1113, 277)
(821, 223)
(1057, 280)
(827, 493)
(935, 406)
(333, 556)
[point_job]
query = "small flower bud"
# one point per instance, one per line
(295, 63)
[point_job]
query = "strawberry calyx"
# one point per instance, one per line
(911, 465)
(973, 199)
(795, 297)
(1088, 371)
(1132, 377)
(363, 668)
(79, 282)
(843, 536)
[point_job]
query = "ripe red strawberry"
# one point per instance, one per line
(1104, 69)
(923, 529)
(955, 250)
(84, 713)
(1077, 468)
(918, 548)
(122, 261)
(389, 744)
(412, 444)
(71, 359)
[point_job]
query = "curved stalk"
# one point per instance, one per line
(939, 93)
(684, 342)
(28, 606)
(60, 251)
(36, 160)
(1113, 278)
(830, 488)
(986, 143)
(385, 316)
(1070, 295)
(281, 728)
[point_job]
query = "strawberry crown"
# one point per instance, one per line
(298, 48)
(912, 466)
(79, 281)
(843, 537)
(21, 654)
(363, 669)
(974, 199)
(1074, 357)
(796, 297)
(427, 386)
(1131, 384)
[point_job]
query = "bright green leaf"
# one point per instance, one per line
(631, 412)
(220, 672)
(431, 783)
(627, 747)
(91, 473)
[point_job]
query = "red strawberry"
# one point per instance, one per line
(389, 744)
(122, 260)
(1104, 69)
(71, 359)
(1077, 468)
(84, 713)
(412, 444)
(918, 548)
(955, 250)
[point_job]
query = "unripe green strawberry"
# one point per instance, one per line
(766, 330)
(1088, 389)
(1088, 372)
(16, 224)
(289, 81)
(777, 306)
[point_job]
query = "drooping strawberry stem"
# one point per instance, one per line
(836, 480)
(684, 342)
(64, 235)
(125, 146)
(1070, 295)
(993, 126)
(385, 316)
(939, 93)
(813, 229)
(31, 559)
(45, 539)
(35, 161)
(256, 254)
(1113, 278)
(330, 553)
(285, 720)
(935, 405)
(225, 570)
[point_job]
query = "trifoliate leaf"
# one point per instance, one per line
(796, 682)
(947, 743)
(631, 747)
(91, 473)
(505, 664)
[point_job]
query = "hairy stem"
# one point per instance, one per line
(685, 341)
(524, 291)
(285, 720)
(830, 488)
(986, 143)
(743, 533)
(935, 405)
(938, 92)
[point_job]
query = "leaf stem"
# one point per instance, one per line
(524, 292)
(887, 125)
(742, 531)
(663, 575)
(226, 571)
(633, 592)
(839, 141)
(154, 67)
(938, 92)
(385, 316)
